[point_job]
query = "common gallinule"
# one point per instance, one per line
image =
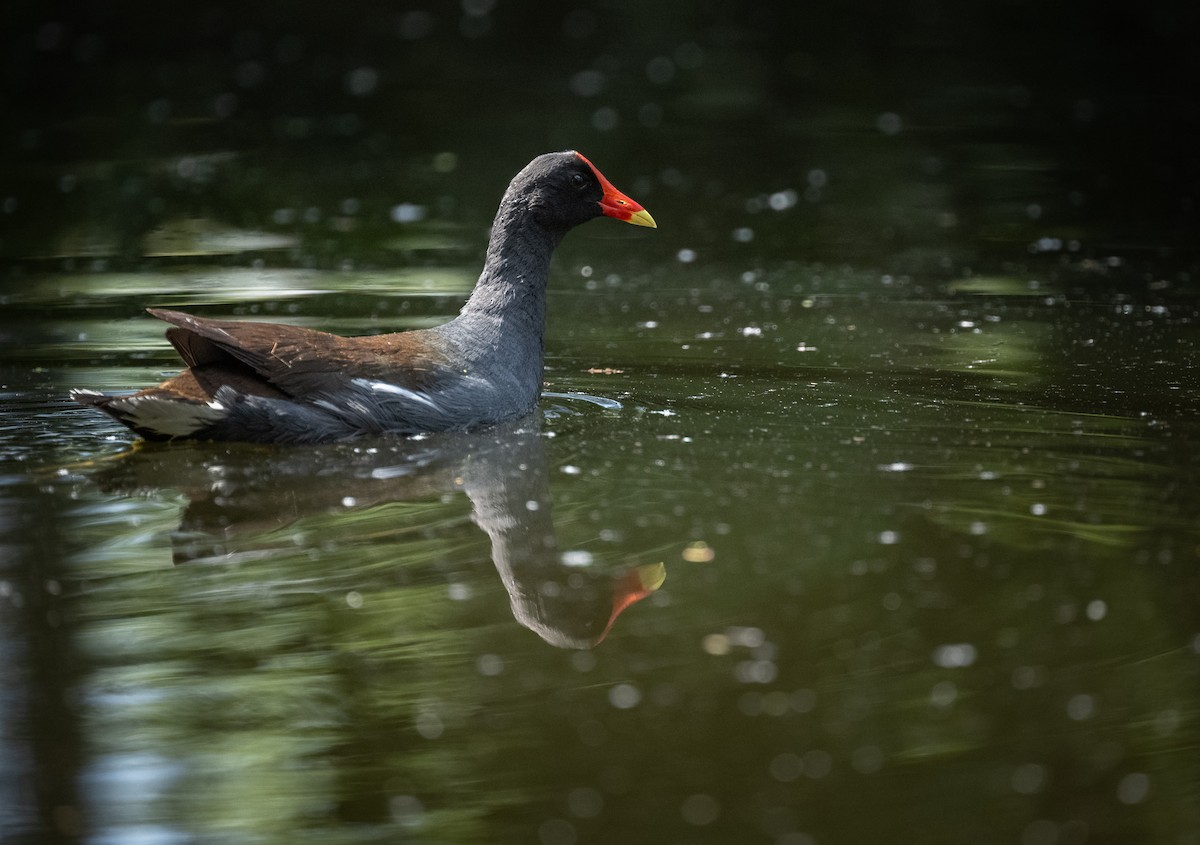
(274, 383)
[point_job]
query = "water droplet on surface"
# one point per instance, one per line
(577, 557)
(1040, 832)
(943, 694)
(1081, 707)
(1028, 677)
(782, 200)
(585, 802)
(715, 644)
(407, 212)
(889, 123)
(660, 70)
(587, 83)
(755, 672)
(478, 8)
(489, 665)
(1133, 788)
(867, 759)
(746, 637)
(429, 724)
(407, 810)
(954, 655)
(786, 767)
(700, 809)
(557, 832)
(362, 81)
(624, 696)
(1028, 778)
(224, 105)
(605, 119)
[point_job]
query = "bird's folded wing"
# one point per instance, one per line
(304, 362)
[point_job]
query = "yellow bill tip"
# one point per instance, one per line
(642, 218)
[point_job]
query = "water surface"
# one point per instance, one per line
(883, 526)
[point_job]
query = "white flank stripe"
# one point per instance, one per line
(396, 390)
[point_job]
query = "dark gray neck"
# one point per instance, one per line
(506, 313)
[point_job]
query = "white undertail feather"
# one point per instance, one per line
(168, 417)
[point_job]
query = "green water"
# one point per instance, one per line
(882, 448)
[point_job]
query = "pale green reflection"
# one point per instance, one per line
(310, 635)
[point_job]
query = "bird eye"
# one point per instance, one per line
(577, 180)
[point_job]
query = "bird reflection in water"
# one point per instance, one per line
(239, 491)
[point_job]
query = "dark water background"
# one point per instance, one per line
(896, 480)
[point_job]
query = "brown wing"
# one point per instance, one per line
(304, 362)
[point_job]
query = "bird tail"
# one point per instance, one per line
(153, 416)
